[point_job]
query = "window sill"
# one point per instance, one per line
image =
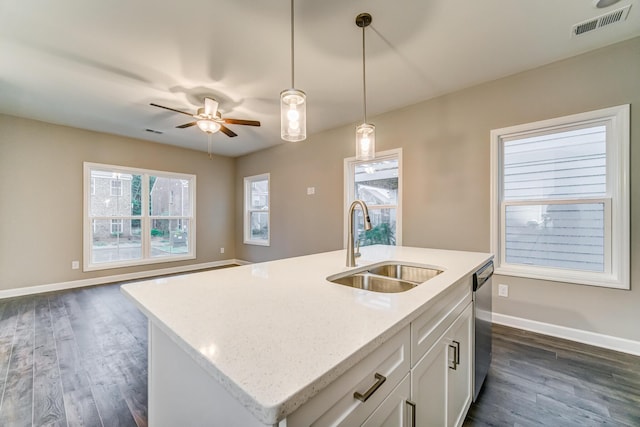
(257, 242)
(564, 276)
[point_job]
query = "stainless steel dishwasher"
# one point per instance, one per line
(482, 314)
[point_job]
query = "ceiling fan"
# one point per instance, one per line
(209, 119)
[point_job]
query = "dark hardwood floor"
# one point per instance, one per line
(537, 380)
(79, 358)
(76, 358)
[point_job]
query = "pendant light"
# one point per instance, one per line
(293, 105)
(366, 132)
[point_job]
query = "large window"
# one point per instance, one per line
(137, 216)
(378, 183)
(256, 210)
(560, 208)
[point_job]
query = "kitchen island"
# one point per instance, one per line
(259, 344)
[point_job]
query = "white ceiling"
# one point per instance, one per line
(98, 64)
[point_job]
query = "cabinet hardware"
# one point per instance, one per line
(452, 360)
(380, 379)
(412, 405)
(457, 352)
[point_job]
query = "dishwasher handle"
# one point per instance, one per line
(482, 275)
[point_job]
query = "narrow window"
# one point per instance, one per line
(379, 184)
(256, 210)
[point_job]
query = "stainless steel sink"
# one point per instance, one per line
(405, 272)
(374, 283)
(388, 277)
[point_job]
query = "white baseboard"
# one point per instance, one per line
(586, 337)
(51, 287)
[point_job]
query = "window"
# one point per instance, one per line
(256, 210)
(379, 184)
(116, 186)
(560, 199)
(116, 226)
(137, 216)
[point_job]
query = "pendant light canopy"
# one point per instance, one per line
(366, 132)
(293, 105)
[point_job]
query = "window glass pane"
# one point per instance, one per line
(115, 240)
(383, 227)
(376, 183)
(169, 196)
(169, 236)
(259, 225)
(567, 236)
(560, 165)
(114, 194)
(259, 197)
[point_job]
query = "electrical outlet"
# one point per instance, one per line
(503, 291)
(311, 190)
(221, 250)
(75, 265)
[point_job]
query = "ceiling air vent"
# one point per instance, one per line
(617, 15)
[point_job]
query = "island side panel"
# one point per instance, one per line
(182, 393)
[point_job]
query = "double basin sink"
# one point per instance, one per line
(387, 277)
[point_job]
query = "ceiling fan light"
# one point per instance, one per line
(208, 126)
(293, 115)
(365, 142)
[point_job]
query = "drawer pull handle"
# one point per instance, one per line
(412, 405)
(380, 379)
(456, 355)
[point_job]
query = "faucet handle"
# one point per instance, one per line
(357, 253)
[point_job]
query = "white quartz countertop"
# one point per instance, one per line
(276, 333)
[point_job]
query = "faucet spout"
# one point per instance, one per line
(351, 259)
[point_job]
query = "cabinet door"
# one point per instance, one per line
(428, 386)
(459, 367)
(394, 411)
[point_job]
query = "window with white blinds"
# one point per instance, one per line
(560, 209)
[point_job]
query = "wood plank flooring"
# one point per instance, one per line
(75, 358)
(537, 380)
(79, 358)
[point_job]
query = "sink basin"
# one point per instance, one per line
(405, 272)
(388, 277)
(371, 282)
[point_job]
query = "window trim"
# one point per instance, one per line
(145, 218)
(349, 188)
(617, 200)
(248, 180)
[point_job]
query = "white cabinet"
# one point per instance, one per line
(394, 411)
(459, 378)
(355, 395)
(441, 380)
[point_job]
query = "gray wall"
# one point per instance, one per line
(445, 145)
(41, 170)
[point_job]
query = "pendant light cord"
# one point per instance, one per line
(292, 50)
(364, 77)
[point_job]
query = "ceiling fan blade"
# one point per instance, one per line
(210, 107)
(186, 125)
(171, 109)
(242, 122)
(228, 131)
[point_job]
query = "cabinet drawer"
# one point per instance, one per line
(336, 405)
(431, 324)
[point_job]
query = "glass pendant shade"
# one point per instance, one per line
(293, 115)
(365, 142)
(208, 126)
